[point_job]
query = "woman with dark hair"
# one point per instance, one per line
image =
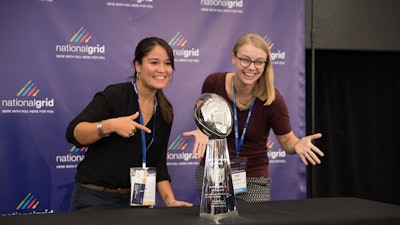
(126, 126)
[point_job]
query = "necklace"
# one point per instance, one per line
(147, 113)
(241, 106)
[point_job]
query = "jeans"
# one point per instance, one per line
(88, 199)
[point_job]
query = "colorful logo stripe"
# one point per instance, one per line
(178, 40)
(28, 90)
(81, 36)
(29, 202)
(75, 149)
(268, 41)
(269, 144)
(178, 144)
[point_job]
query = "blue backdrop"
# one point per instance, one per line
(56, 54)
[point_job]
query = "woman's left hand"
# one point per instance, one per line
(176, 203)
(200, 142)
(307, 151)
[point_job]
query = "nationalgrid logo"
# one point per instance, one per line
(71, 159)
(28, 205)
(29, 90)
(183, 54)
(275, 155)
(178, 144)
(269, 144)
(176, 154)
(222, 6)
(178, 40)
(29, 202)
(224, 3)
(81, 36)
(268, 41)
(79, 48)
(277, 57)
(22, 104)
(77, 150)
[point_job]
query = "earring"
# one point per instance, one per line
(137, 75)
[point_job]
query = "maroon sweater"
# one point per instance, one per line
(262, 119)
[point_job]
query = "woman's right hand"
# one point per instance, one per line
(200, 142)
(126, 126)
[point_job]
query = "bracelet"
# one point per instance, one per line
(100, 130)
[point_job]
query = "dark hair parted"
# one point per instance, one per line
(142, 50)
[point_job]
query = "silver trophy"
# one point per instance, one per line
(213, 116)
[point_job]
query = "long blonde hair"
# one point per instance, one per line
(264, 88)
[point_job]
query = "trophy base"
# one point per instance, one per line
(221, 218)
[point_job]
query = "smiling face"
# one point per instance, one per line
(155, 69)
(248, 74)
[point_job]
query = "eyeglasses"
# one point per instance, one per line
(245, 62)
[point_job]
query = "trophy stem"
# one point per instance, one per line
(218, 198)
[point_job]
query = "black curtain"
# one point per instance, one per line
(357, 100)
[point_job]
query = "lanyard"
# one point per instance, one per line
(238, 142)
(143, 134)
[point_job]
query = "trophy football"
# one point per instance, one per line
(213, 116)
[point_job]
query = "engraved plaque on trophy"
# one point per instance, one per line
(213, 116)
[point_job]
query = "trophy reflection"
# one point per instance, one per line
(213, 116)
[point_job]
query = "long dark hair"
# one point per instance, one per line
(142, 50)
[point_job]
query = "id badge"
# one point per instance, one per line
(143, 186)
(238, 171)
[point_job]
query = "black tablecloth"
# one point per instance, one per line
(321, 211)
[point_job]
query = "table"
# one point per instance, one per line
(320, 211)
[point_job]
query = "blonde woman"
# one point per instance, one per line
(258, 107)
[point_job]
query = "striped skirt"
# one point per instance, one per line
(258, 188)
